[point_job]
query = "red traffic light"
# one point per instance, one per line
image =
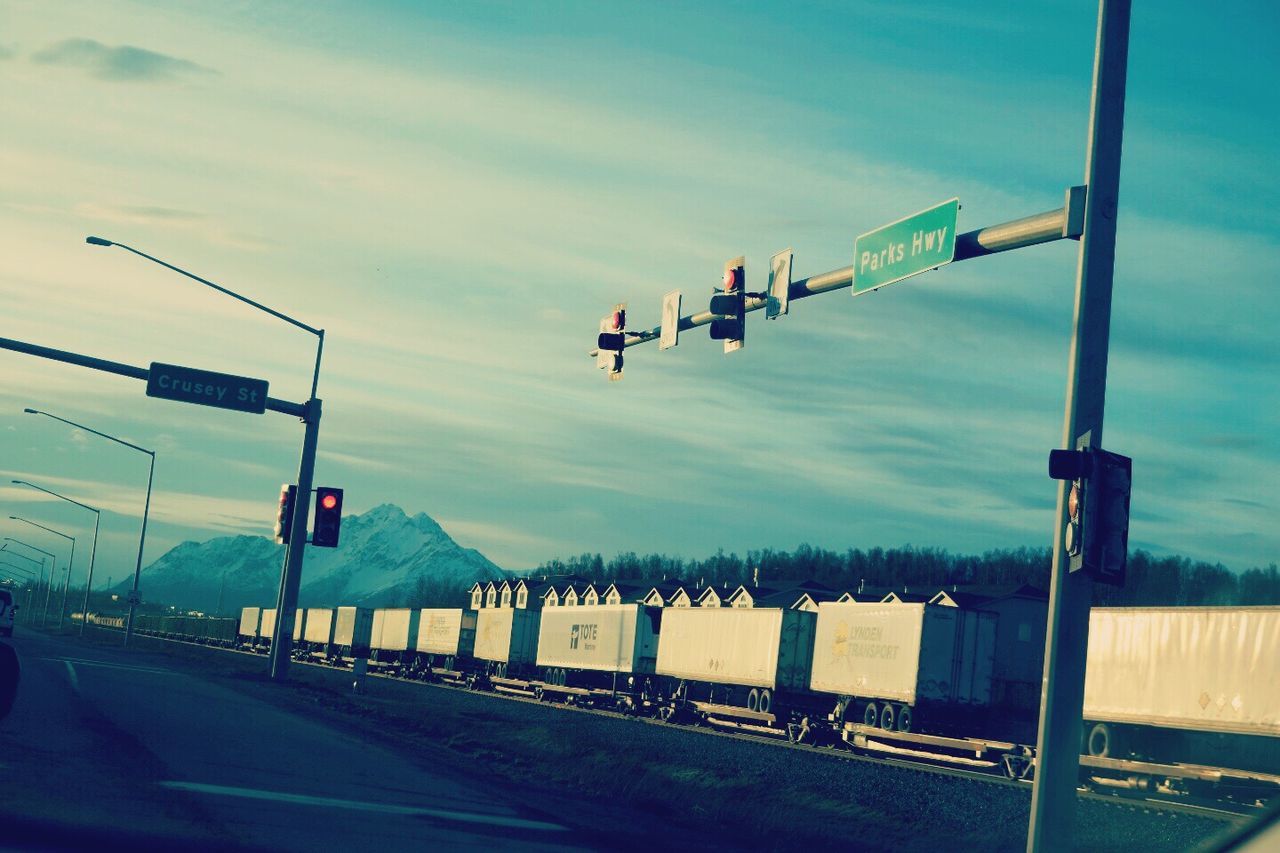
(329, 501)
(619, 320)
(732, 280)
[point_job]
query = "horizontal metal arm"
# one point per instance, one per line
(1062, 223)
(283, 406)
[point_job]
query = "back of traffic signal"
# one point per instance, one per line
(326, 520)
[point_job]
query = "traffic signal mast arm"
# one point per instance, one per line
(1066, 222)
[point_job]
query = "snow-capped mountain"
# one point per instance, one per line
(383, 557)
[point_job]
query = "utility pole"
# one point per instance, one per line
(1053, 798)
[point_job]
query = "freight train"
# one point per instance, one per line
(1195, 686)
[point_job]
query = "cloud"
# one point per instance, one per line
(7, 52)
(138, 214)
(124, 63)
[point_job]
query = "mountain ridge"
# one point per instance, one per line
(383, 556)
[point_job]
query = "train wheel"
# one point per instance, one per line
(1102, 741)
(871, 716)
(887, 717)
(904, 718)
(753, 700)
(766, 699)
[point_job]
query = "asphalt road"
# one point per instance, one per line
(112, 747)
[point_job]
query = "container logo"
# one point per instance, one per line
(583, 636)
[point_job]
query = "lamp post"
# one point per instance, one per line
(52, 568)
(67, 568)
(146, 511)
(291, 574)
(93, 550)
(34, 583)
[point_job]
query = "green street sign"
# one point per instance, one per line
(206, 388)
(904, 248)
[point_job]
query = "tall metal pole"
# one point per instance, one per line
(1053, 798)
(48, 593)
(88, 584)
(66, 584)
(142, 541)
(291, 577)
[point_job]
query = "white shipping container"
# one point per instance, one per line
(755, 647)
(268, 629)
(447, 631)
(395, 629)
(507, 635)
(1207, 668)
(319, 628)
(250, 617)
(352, 627)
(605, 638)
(908, 653)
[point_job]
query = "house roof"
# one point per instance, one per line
(976, 595)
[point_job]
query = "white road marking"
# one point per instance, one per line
(106, 665)
(356, 805)
(71, 674)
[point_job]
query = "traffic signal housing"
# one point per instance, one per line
(731, 306)
(328, 517)
(1096, 537)
(284, 513)
(612, 341)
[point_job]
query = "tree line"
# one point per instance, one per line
(1151, 581)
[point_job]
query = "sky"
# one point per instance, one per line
(457, 193)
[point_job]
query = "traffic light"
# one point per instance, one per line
(731, 307)
(284, 513)
(328, 517)
(1096, 537)
(612, 341)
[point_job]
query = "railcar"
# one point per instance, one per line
(599, 655)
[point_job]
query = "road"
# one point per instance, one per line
(107, 747)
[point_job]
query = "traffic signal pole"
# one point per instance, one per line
(1053, 798)
(291, 576)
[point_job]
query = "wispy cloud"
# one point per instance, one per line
(123, 63)
(138, 214)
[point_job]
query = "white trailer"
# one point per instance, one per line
(447, 631)
(250, 620)
(352, 629)
(620, 638)
(741, 668)
(1158, 676)
(507, 637)
(393, 639)
(898, 657)
(268, 624)
(763, 647)
(319, 627)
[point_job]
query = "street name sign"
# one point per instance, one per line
(206, 388)
(901, 249)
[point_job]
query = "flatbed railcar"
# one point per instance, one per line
(446, 646)
(905, 666)
(599, 655)
(393, 640)
(738, 668)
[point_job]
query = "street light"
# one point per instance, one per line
(291, 577)
(146, 510)
(52, 568)
(67, 568)
(93, 551)
(35, 582)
